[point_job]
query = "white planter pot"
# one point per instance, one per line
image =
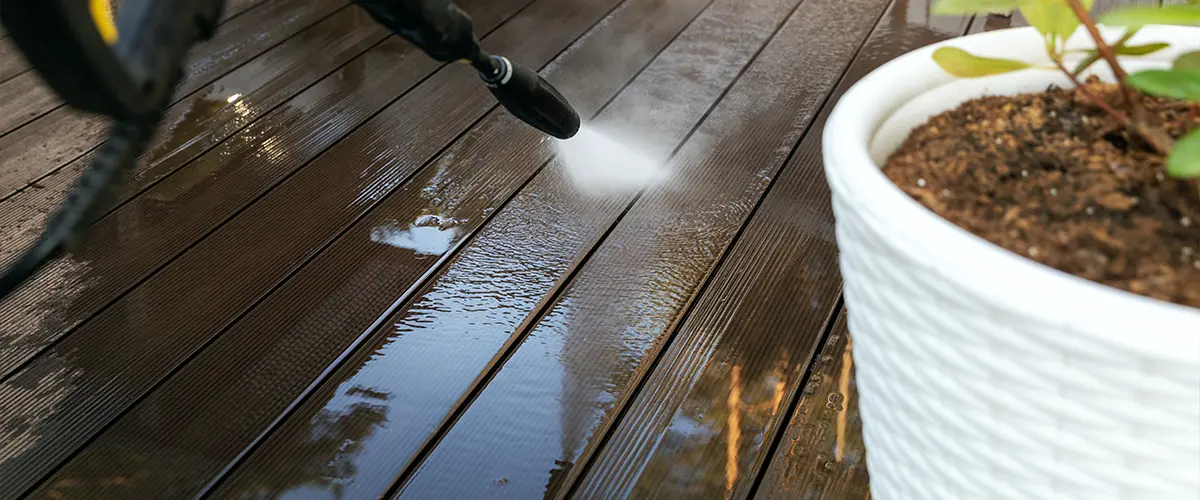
(983, 374)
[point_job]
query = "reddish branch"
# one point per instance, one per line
(1158, 139)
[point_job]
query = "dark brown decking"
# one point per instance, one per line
(248, 318)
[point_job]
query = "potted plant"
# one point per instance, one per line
(1017, 217)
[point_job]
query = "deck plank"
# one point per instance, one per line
(140, 237)
(128, 245)
(822, 455)
(299, 327)
(615, 310)
(460, 330)
(268, 309)
(91, 376)
(260, 248)
(752, 332)
(199, 121)
(56, 134)
(203, 120)
(12, 63)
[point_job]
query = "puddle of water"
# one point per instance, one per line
(429, 235)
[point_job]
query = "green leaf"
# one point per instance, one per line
(959, 7)
(1184, 160)
(963, 64)
(1137, 16)
(1172, 83)
(1052, 17)
(1132, 50)
(1140, 50)
(1188, 60)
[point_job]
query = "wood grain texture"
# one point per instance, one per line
(822, 455)
(114, 359)
(462, 330)
(361, 277)
(322, 200)
(52, 135)
(202, 121)
(603, 324)
(752, 331)
(12, 63)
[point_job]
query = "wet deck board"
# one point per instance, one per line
(361, 276)
(503, 263)
(720, 392)
(154, 229)
(13, 64)
(30, 149)
(821, 455)
(203, 120)
(616, 309)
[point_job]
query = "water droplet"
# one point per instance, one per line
(921, 182)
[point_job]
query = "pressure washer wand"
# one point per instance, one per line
(528, 96)
(128, 70)
(445, 33)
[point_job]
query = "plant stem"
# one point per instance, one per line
(1109, 56)
(1158, 139)
(1097, 100)
(1096, 57)
(1101, 47)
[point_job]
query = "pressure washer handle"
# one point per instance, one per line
(125, 70)
(437, 27)
(445, 33)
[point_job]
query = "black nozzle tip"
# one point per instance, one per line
(531, 98)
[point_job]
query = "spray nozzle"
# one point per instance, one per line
(530, 97)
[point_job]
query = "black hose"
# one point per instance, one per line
(126, 142)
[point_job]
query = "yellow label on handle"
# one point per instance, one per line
(102, 16)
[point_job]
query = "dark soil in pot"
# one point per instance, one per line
(1051, 177)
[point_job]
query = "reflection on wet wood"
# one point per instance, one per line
(821, 455)
(764, 311)
(200, 123)
(455, 315)
(234, 267)
(59, 134)
(612, 317)
(12, 63)
(260, 317)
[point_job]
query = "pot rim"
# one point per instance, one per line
(1164, 330)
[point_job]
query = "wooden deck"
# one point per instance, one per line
(342, 271)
